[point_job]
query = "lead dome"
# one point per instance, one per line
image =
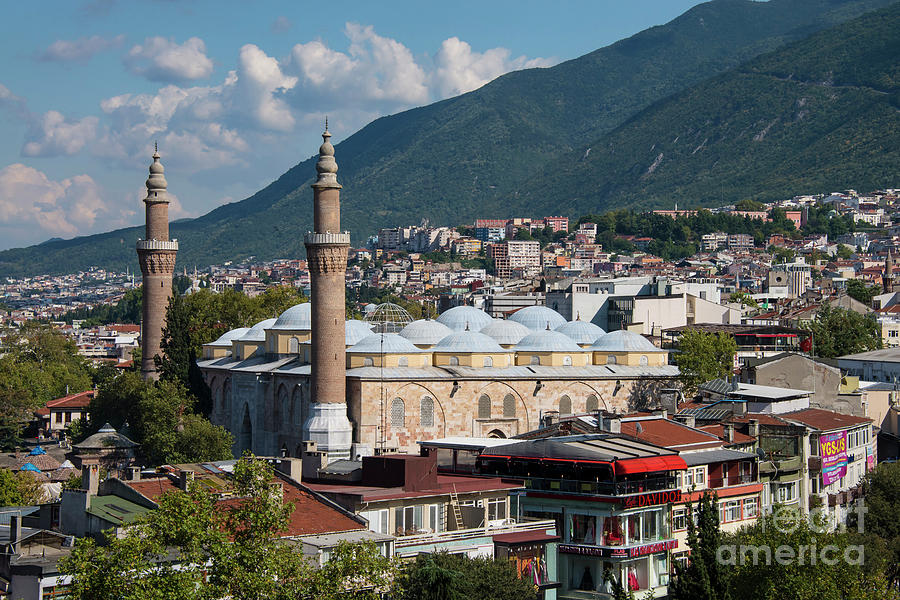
(226, 338)
(583, 332)
(547, 341)
(505, 332)
(425, 332)
(538, 318)
(296, 318)
(257, 333)
(459, 318)
(623, 341)
(467, 342)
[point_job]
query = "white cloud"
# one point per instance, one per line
(28, 198)
(80, 50)
(458, 69)
(259, 87)
(54, 135)
(161, 59)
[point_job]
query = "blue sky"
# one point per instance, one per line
(236, 92)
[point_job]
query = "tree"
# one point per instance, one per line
(881, 490)
(858, 290)
(839, 331)
(844, 252)
(744, 298)
(704, 577)
(195, 547)
(443, 576)
(19, 489)
(749, 205)
(703, 356)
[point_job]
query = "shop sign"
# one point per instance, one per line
(833, 450)
(651, 499)
(619, 552)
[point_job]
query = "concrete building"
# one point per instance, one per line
(515, 257)
(326, 251)
(156, 253)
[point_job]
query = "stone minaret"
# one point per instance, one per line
(887, 282)
(326, 253)
(156, 254)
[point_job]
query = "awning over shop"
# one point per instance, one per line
(633, 466)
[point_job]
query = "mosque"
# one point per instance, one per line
(384, 383)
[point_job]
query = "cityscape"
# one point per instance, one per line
(634, 390)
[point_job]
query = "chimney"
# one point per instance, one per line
(15, 531)
(662, 413)
(613, 424)
(753, 430)
(689, 420)
(728, 429)
(292, 467)
(90, 477)
(133, 473)
(185, 479)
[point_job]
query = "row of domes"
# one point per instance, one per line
(462, 329)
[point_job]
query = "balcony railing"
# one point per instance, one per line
(602, 488)
(720, 482)
(157, 245)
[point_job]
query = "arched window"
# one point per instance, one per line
(426, 416)
(496, 433)
(509, 406)
(398, 414)
(567, 361)
(403, 361)
(277, 408)
(297, 405)
(294, 345)
(565, 406)
(484, 407)
(454, 361)
(368, 362)
(592, 404)
(488, 361)
(610, 360)
(644, 360)
(535, 359)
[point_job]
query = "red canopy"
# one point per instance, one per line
(632, 466)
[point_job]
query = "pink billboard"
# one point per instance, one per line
(833, 450)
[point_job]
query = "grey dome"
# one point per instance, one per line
(504, 331)
(387, 343)
(468, 341)
(459, 318)
(425, 332)
(548, 341)
(257, 333)
(355, 331)
(536, 318)
(296, 318)
(623, 341)
(583, 332)
(226, 338)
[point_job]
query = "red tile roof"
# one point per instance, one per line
(79, 400)
(825, 420)
(153, 488)
(719, 432)
(670, 434)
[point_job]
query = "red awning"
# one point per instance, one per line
(631, 466)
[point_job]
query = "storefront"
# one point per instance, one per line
(534, 555)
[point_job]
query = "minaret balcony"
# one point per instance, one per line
(157, 245)
(313, 239)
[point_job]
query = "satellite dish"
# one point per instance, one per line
(639, 428)
(761, 453)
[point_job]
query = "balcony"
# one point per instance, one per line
(601, 488)
(722, 482)
(157, 245)
(327, 238)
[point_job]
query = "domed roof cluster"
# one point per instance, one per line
(460, 318)
(257, 333)
(296, 318)
(226, 338)
(583, 332)
(548, 341)
(538, 318)
(505, 332)
(355, 330)
(425, 332)
(623, 341)
(468, 341)
(387, 343)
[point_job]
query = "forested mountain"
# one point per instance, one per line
(478, 153)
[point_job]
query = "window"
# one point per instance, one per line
(567, 361)
(488, 361)
(751, 508)
(408, 520)
(294, 345)
(368, 362)
(610, 360)
(699, 476)
(403, 361)
(679, 519)
(59, 417)
(650, 524)
(535, 360)
(644, 360)
(679, 479)
(496, 509)
(398, 414)
(378, 520)
(565, 406)
(689, 478)
(592, 404)
(454, 361)
(730, 511)
(509, 406)
(436, 518)
(484, 407)
(426, 410)
(787, 492)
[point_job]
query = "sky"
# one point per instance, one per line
(236, 93)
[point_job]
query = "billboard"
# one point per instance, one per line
(833, 450)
